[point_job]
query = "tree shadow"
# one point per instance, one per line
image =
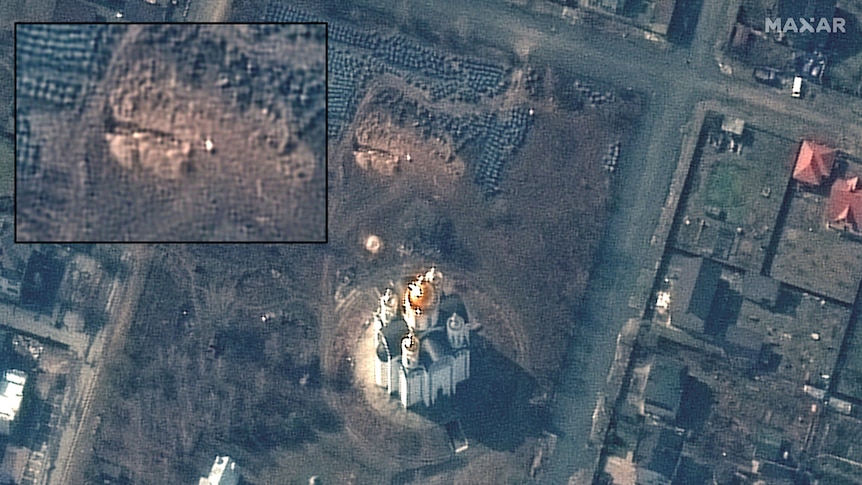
(843, 45)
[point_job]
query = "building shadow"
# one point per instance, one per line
(494, 404)
(788, 301)
(770, 360)
(724, 311)
(421, 474)
(696, 404)
(683, 23)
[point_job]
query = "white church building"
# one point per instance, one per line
(422, 341)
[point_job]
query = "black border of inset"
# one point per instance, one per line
(325, 134)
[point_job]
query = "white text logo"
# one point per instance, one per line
(803, 26)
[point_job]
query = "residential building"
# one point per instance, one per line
(760, 289)
(693, 292)
(658, 453)
(844, 207)
(745, 344)
(664, 388)
(10, 284)
(11, 395)
(813, 163)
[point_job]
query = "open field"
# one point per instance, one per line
(427, 211)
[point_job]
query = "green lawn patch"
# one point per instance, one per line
(726, 189)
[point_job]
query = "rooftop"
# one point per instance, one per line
(733, 125)
(813, 163)
(433, 344)
(223, 472)
(11, 393)
(659, 449)
(665, 384)
(845, 203)
(693, 292)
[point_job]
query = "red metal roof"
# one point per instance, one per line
(845, 203)
(814, 163)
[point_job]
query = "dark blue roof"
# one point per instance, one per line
(665, 383)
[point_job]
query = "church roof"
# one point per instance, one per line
(813, 163)
(434, 343)
(435, 346)
(390, 344)
(450, 304)
(421, 295)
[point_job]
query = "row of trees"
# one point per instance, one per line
(258, 391)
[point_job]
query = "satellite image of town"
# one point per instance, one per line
(551, 242)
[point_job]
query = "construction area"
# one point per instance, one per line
(410, 164)
(182, 133)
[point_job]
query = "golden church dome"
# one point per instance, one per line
(420, 295)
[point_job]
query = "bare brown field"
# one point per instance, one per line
(521, 260)
(252, 351)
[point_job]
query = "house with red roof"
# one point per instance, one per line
(844, 207)
(813, 163)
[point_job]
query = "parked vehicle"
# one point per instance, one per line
(768, 76)
(797, 87)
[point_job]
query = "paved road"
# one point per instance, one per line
(76, 444)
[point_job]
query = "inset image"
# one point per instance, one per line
(170, 133)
